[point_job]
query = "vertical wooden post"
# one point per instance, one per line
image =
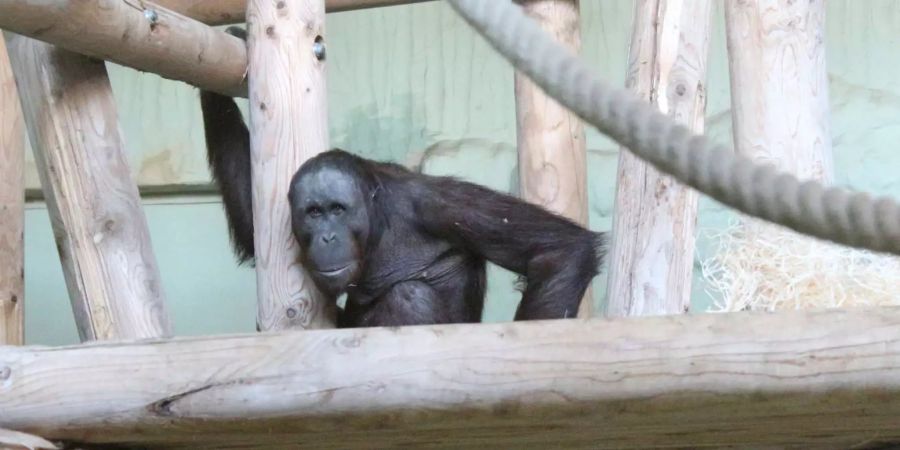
(779, 84)
(651, 256)
(288, 125)
(12, 207)
(552, 155)
(98, 222)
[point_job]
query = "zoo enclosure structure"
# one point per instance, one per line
(829, 378)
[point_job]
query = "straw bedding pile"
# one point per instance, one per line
(759, 266)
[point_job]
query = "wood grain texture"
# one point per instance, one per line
(779, 84)
(12, 207)
(289, 124)
(135, 34)
(210, 12)
(551, 147)
(98, 222)
(825, 379)
(223, 12)
(654, 220)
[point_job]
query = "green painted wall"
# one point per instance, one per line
(414, 85)
(207, 292)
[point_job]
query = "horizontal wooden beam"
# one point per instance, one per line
(828, 379)
(223, 12)
(135, 34)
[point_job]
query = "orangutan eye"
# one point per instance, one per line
(314, 211)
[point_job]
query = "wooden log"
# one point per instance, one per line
(826, 379)
(12, 207)
(135, 34)
(210, 12)
(779, 84)
(288, 125)
(224, 12)
(551, 147)
(651, 257)
(95, 210)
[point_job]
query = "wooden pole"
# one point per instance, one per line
(100, 229)
(135, 34)
(12, 207)
(224, 12)
(551, 147)
(652, 251)
(288, 125)
(825, 379)
(779, 84)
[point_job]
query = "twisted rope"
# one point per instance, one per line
(762, 191)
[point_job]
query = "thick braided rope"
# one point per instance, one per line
(853, 219)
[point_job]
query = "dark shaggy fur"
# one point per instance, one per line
(407, 248)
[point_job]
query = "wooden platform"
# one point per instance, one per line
(797, 379)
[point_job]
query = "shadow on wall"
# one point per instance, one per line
(381, 132)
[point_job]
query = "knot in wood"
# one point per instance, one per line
(5, 372)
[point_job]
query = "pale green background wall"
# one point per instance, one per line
(414, 84)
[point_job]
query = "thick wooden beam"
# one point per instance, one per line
(551, 147)
(95, 210)
(779, 84)
(135, 34)
(12, 207)
(827, 379)
(288, 125)
(651, 258)
(224, 12)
